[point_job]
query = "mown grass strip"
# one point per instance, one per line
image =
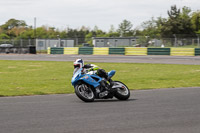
(52, 77)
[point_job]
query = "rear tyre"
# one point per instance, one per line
(84, 92)
(122, 91)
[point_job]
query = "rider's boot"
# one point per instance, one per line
(103, 84)
(111, 83)
(98, 90)
(103, 88)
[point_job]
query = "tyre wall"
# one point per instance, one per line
(125, 51)
(18, 50)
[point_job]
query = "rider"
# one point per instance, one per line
(92, 69)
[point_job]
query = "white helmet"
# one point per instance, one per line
(78, 63)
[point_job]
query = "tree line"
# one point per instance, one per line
(180, 22)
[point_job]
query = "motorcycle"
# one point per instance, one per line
(90, 86)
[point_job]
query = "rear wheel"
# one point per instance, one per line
(122, 91)
(84, 92)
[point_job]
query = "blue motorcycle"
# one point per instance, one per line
(90, 86)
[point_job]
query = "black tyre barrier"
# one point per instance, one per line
(18, 50)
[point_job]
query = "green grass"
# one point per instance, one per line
(40, 77)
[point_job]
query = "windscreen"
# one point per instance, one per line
(75, 70)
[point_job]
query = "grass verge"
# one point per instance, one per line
(51, 77)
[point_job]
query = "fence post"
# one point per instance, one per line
(175, 43)
(13, 42)
(198, 40)
(21, 43)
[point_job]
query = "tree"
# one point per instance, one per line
(1, 30)
(13, 23)
(174, 13)
(125, 28)
(28, 34)
(16, 31)
(186, 22)
(63, 34)
(196, 21)
(173, 24)
(112, 32)
(41, 33)
(88, 38)
(13, 28)
(112, 29)
(177, 23)
(151, 28)
(4, 36)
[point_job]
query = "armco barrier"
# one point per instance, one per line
(182, 51)
(100, 51)
(125, 51)
(135, 51)
(57, 50)
(197, 51)
(158, 51)
(86, 50)
(117, 51)
(71, 50)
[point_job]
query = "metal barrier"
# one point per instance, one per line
(71, 50)
(57, 51)
(135, 51)
(158, 51)
(182, 52)
(100, 51)
(197, 51)
(117, 51)
(126, 51)
(86, 50)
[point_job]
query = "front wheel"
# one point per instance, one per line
(84, 92)
(122, 91)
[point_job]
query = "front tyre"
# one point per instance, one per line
(84, 92)
(122, 91)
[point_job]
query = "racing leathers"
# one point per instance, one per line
(94, 69)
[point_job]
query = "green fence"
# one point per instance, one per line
(117, 51)
(197, 51)
(158, 51)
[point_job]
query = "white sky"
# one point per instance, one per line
(76, 13)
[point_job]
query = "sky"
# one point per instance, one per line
(90, 13)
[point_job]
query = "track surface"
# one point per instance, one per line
(193, 60)
(152, 111)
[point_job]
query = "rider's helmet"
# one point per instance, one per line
(78, 63)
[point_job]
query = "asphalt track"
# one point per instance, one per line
(151, 111)
(192, 60)
(175, 110)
